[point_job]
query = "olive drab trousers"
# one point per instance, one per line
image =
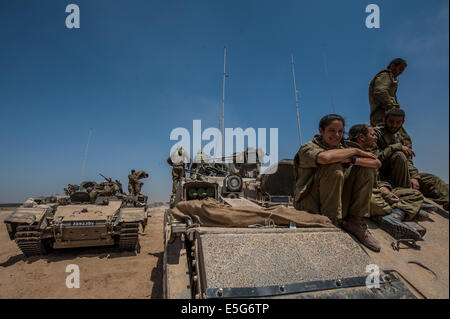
(177, 174)
(337, 191)
(434, 188)
(396, 170)
(410, 201)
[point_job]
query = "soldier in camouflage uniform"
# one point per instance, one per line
(399, 168)
(177, 160)
(389, 206)
(383, 95)
(336, 181)
(396, 158)
(139, 175)
(132, 182)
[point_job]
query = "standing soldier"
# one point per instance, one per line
(336, 181)
(132, 181)
(383, 95)
(138, 185)
(177, 160)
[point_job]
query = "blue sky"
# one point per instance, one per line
(135, 70)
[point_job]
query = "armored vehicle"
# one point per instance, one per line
(212, 252)
(90, 214)
(274, 187)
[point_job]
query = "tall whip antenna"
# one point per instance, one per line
(223, 102)
(85, 156)
(296, 99)
(328, 80)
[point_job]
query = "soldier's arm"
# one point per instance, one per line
(388, 151)
(381, 91)
(368, 162)
(342, 155)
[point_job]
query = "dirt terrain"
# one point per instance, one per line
(105, 272)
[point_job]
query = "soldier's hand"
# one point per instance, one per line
(408, 152)
(385, 189)
(362, 153)
(415, 183)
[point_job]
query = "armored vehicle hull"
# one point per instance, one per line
(269, 261)
(78, 221)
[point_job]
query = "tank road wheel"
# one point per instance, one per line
(129, 236)
(29, 240)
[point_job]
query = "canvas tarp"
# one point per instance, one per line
(210, 213)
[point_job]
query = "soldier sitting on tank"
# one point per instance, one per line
(398, 167)
(177, 160)
(389, 206)
(336, 181)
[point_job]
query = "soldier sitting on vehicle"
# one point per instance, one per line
(398, 167)
(336, 181)
(389, 206)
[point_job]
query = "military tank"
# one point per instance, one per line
(283, 260)
(89, 215)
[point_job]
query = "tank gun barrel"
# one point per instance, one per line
(106, 178)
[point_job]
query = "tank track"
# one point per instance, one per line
(129, 236)
(29, 240)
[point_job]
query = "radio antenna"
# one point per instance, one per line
(296, 99)
(223, 102)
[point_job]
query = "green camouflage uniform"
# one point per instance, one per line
(410, 199)
(333, 190)
(435, 188)
(132, 183)
(396, 168)
(177, 162)
(399, 170)
(383, 97)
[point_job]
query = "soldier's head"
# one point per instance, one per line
(331, 128)
(180, 151)
(397, 66)
(364, 135)
(394, 119)
(133, 171)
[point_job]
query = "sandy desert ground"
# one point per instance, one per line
(105, 272)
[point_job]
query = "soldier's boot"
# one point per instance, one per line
(429, 207)
(393, 224)
(422, 215)
(420, 229)
(358, 227)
